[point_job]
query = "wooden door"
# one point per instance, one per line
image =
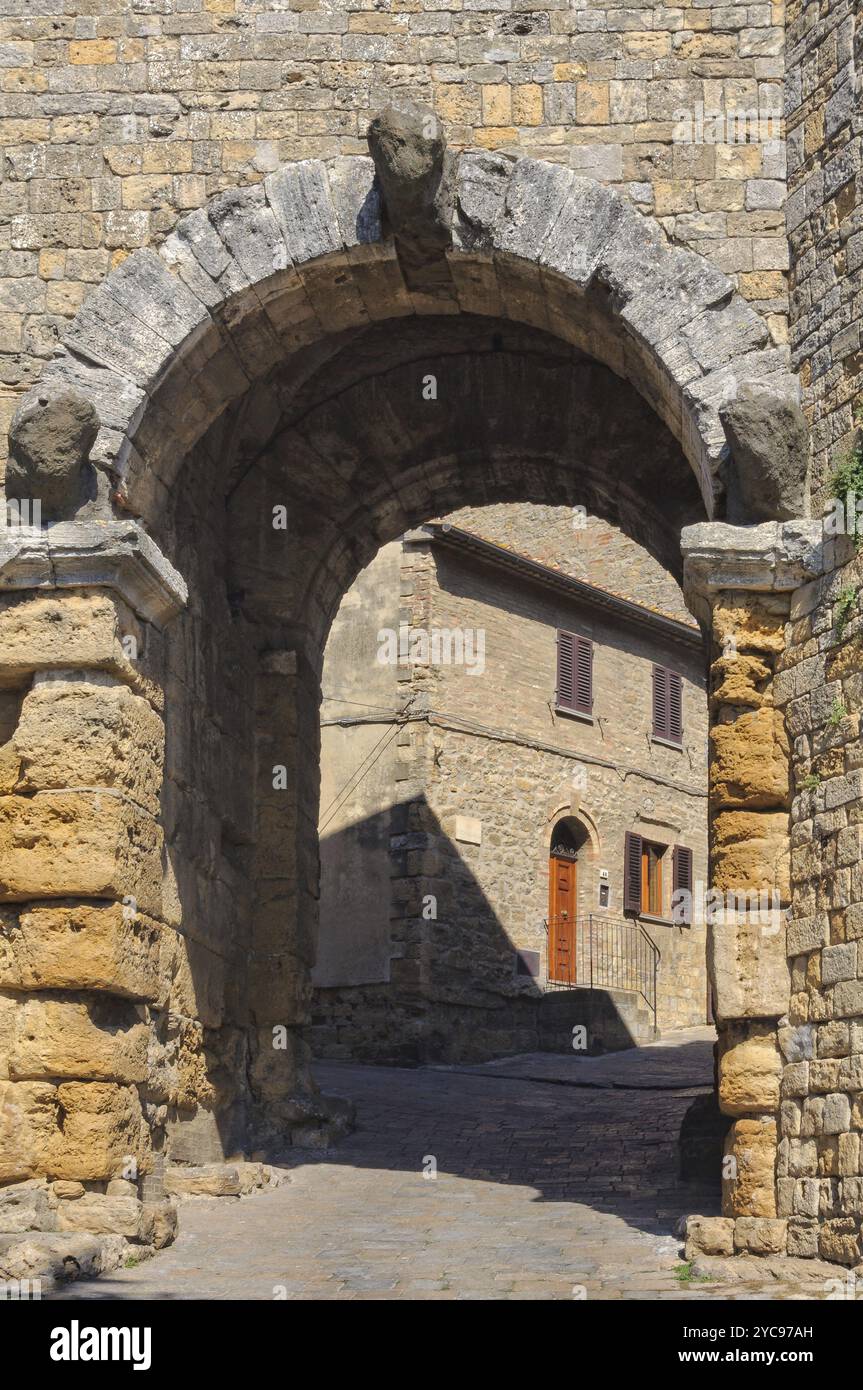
(561, 919)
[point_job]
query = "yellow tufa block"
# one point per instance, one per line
(91, 52)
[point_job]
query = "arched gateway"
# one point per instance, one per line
(237, 422)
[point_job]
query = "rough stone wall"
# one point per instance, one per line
(820, 1163)
(489, 747)
(825, 219)
(115, 121)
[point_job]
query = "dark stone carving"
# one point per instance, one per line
(767, 476)
(50, 439)
(416, 177)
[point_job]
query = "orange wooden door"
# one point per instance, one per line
(561, 919)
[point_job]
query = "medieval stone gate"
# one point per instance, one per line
(235, 425)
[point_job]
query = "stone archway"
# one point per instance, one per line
(163, 775)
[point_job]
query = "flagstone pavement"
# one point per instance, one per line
(537, 1177)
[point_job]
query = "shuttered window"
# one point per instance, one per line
(642, 874)
(667, 705)
(574, 673)
(681, 903)
(632, 873)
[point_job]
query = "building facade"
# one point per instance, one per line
(511, 717)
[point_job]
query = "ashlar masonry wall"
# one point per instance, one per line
(115, 121)
(825, 221)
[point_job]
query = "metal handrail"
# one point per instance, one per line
(610, 953)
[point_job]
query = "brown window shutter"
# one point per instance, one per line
(682, 880)
(660, 702)
(632, 873)
(566, 681)
(675, 706)
(667, 704)
(583, 675)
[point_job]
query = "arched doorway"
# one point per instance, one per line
(276, 398)
(567, 838)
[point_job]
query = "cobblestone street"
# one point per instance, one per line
(559, 1186)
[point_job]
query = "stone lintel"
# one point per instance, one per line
(774, 556)
(116, 555)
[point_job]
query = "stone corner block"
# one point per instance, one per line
(116, 555)
(709, 1235)
(775, 555)
(755, 1235)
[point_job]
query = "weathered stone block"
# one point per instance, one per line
(749, 970)
(281, 990)
(103, 1040)
(848, 999)
(46, 633)
(177, 1070)
(802, 1238)
(751, 852)
(100, 1214)
(208, 1180)
(103, 1129)
(795, 1079)
(92, 844)
(749, 763)
(851, 1073)
(50, 439)
(28, 1128)
(91, 732)
(709, 1235)
(56, 1257)
(760, 1237)
(70, 1190)
(797, 1042)
(749, 1069)
(837, 1113)
(80, 946)
(299, 196)
(191, 979)
(161, 1220)
(752, 1145)
(839, 963)
(746, 623)
(769, 470)
(740, 680)
(27, 1206)
(839, 1239)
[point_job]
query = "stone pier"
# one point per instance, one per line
(783, 820)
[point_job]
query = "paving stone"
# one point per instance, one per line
(587, 1195)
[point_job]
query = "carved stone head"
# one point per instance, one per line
(50, 439)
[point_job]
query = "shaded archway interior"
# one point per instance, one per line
(367, 435)
(376, 431)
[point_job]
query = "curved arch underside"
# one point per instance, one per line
(277, 278)
(394, 428)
